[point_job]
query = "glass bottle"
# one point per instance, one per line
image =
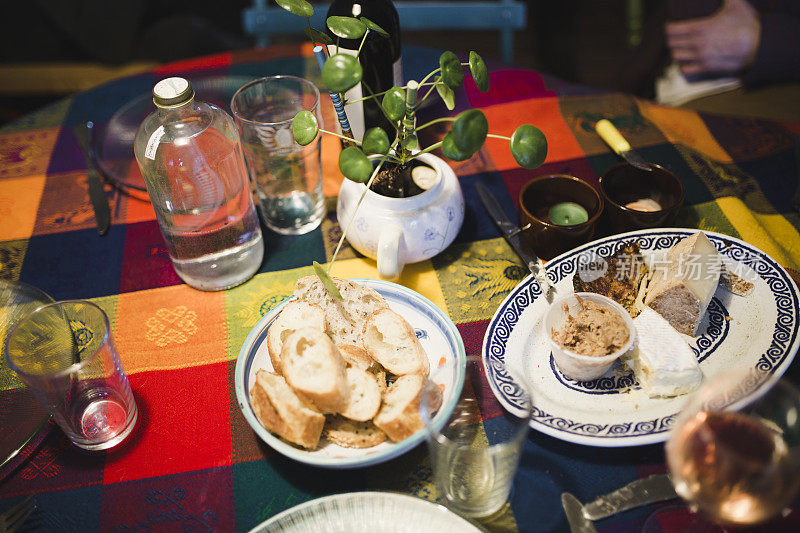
(380, 58)
(191, 159)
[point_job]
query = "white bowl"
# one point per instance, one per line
(572, 364)
(437, 334)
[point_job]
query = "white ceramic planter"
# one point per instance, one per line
(398, 231)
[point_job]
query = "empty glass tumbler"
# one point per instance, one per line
(476, 452)
(191, 160)
(65, 354)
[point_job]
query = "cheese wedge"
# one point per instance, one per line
(684, 282)
(663, 362)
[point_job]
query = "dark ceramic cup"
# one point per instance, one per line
(538, 196)
(623, 184)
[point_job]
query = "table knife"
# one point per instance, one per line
(578, 523)
(97, 196)
(617, 142)
(651, 489)
(510, 232)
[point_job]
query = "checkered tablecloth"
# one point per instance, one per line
(193, 463)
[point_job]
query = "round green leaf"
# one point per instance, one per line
(297, 7)
(451, 152)
(479, 72)
(304, 127)
(410, 142)
(341, 72)
(394, 103)
(317, 36)
(375, 141)
(452, 73)
(469, 130)
(446, 93)
(374, 27)
(529, 146)
(346, 27)
(354, 164)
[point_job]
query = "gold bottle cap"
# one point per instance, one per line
(171, 92)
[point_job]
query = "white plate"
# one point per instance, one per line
(759, 330)
(435, 331)
(367, 512)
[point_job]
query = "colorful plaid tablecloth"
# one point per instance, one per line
(193, 463)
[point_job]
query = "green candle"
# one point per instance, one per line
(568, 214)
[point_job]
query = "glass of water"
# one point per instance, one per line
(475, 453)
(64, 353)
(287, 176)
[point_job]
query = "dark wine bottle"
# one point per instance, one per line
(380, 58)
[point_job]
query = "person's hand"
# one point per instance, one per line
(725, 42)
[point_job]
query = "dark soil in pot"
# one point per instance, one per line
(395, 180)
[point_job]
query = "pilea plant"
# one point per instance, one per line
(468, 132)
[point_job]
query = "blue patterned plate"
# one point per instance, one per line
(435, 331)
(758, 330)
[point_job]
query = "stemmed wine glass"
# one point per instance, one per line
(734, 453)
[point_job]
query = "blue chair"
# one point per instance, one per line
(506, 16)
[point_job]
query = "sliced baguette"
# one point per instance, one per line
(294, 314)
(282, 412)
(344, 319)
(399, 415)
(352, 434)
(313, 367)
(363, 395)
(391, 341)
(358, 357)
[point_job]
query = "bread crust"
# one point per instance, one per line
(282, 412)
(352, 434)
(399, 416)
(356, 356)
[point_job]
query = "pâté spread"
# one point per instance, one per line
(595, 330)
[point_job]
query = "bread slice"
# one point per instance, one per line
(399, 415)
(295, 314)
(363, 395)
(344, 319)
(313, 367)
(391, 341)
(351, 434)
(281, 411)
(358, 357)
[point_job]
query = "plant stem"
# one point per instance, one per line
(355, 211)
(433, 87)
(432, 122)
(345, 137)
(308, 25)
(493, 136)
(363, 39)
(429, 75)
(430, 148)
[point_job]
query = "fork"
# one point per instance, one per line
(16, 516)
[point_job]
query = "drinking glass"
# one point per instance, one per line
(65, 354)
(734, 453)
(474, 456)
(287, 177)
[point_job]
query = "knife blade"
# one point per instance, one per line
(651, 489)
(510, 232)
(617, 142)
(97, 195)
(578, 523)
